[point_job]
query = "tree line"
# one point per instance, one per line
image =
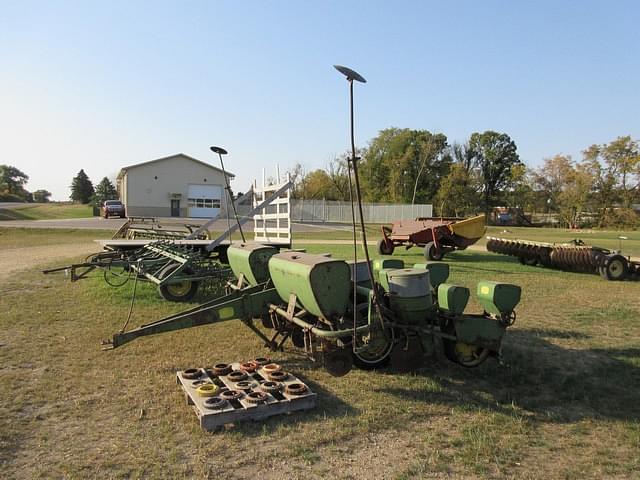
(83, 191)
(485, 171)
(13, 181)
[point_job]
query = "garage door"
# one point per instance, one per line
(204, 200)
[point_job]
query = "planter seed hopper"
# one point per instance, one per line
(326, 307)
(437, 236)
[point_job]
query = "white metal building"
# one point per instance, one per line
(174, 186)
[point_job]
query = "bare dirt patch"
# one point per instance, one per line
(13, 260)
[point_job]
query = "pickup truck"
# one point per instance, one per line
(111, 208)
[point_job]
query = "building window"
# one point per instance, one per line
(203, 203)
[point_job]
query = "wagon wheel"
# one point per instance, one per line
(432, 253)
(532, 262)
(615, 267)
(379, 347)
(181, 291)
(465, 354)
(385, 247)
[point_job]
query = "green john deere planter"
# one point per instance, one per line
(310, 300)
(342, 313)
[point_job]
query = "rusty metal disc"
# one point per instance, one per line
(271, 367)
(191, 374)
(270, 386)
(296, 389)
(262, 361)
(277, 376)
(246, 385)
(256, 397)
(215, 403)
(338, 362)
(237, 376)
(222, 369)
(231, 395)
(407, 355)
(248, 367)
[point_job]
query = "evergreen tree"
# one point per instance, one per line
(81, 188)
(105, 191)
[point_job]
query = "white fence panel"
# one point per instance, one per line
(324, 211)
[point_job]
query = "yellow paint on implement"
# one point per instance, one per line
(473, 227)
(226, 313)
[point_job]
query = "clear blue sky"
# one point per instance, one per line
(101, 85)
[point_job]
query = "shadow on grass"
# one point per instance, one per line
(554, 384)
(6, 214)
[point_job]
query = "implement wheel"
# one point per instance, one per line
(181, 291)
(615, 268)
(379, 346)
(377, 353)
(385, 247)
(532, 262)
(432, 253)
(466, 355)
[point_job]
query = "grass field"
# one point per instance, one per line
(46, 211)
(565, 405)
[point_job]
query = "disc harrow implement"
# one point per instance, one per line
(574, 256)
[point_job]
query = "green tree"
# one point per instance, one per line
(12, 180)
(105, 191)
(552, 178)
(621, 160)
(605, 193)
(519, 191)
(81, 188)
(41, 196)
(458, 193)
(495, 154)
(574, 196)
(339, 176)
(404, 165)
(296, 176)
(317, 184)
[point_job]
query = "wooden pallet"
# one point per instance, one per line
(242, 410)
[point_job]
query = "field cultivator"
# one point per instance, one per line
(151, 228)
(181, 262)
(328, 308)
(437, 236)
(177, 270)
(574, 256)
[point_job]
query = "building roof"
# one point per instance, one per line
(124, 169)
